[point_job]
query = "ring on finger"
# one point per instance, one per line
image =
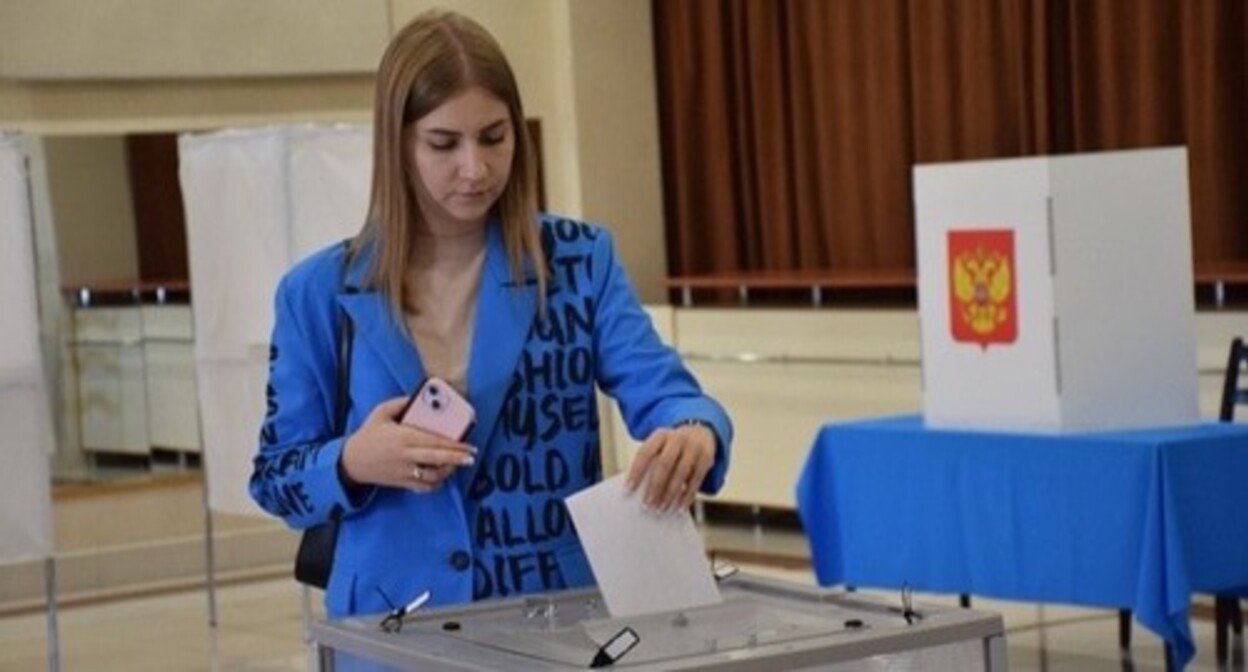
(417, 474)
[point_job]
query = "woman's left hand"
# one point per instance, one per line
(672, 463)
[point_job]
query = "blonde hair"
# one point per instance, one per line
(435, 57)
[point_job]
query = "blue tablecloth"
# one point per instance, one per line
(1136, 519)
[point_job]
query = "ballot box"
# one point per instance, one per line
(762, 624)
(1056, 293)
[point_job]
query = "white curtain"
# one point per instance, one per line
(330, 171)
(256, 202)
(26, 438)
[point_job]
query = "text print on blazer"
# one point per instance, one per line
(500, 527)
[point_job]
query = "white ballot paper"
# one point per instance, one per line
(644, 562)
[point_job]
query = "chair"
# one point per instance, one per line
(1227, 614)
(1233, 394)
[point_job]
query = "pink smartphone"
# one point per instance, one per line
(437, 408)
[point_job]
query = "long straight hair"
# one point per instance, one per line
(431, 60)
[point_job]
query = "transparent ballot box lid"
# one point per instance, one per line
(760, 625)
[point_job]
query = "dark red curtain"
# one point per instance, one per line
(790, 128)
(159, 223)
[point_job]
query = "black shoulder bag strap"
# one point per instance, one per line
(315, 558)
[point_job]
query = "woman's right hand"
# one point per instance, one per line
(384, 452)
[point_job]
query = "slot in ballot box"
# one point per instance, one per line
(1056, 293)
(762, 624)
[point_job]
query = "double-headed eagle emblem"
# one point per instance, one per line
(981, 284)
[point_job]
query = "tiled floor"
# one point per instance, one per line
(259, 626)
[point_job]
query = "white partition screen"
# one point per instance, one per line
(256, 202)
(26, 440)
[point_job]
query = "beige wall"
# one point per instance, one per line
(584, 66)
(89, 193)
(97, 107)
(161, 39)
(618, 133)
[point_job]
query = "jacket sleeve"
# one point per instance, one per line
(295, 473)
(646, 377)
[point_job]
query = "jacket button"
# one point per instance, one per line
(460, 560)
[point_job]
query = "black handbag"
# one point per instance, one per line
(315, 558)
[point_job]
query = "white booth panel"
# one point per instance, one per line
(1056, 292)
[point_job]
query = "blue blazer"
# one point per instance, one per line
(498, 528)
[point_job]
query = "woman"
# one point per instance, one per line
(455, 275)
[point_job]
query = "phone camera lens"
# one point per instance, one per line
(436, 404)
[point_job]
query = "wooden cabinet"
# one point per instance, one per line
(169, 376)
(112, 395)
(135, 369)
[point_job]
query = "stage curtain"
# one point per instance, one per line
(790, 128)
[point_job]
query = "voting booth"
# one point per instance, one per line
(761, 624)
(257, 201)
(1055, 293)
(27, 440)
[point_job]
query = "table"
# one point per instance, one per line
(1135, 519)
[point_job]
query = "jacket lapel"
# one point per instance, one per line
(505, 316)
(376, 326)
